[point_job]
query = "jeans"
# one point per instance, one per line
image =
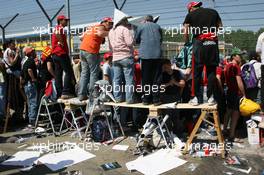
(32, 98)
(151, 70)
(2, 99)
(63, 64)
(123, 68)
(90, 65)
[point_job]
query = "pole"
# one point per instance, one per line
(69, 26)
(48, 17)
(262, 87)
(5, 26)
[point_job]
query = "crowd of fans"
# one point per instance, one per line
(23, 77)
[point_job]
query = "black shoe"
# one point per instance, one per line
(157, 103)
(146, 103)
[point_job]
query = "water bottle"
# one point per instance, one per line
(205, 94)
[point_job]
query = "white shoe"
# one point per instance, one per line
(194, 101)
(211, 101)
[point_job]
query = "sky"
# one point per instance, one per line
(244, 14)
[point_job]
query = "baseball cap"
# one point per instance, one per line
(62, 17)
(107, 19)
(27, 50)
(107, 55)
(194, 4)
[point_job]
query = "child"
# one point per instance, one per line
(107, 67)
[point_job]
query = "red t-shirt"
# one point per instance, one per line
(220, 72)
(56, 48)
(137, 75)
(231, 71)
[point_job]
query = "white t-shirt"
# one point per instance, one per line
(260, 46)
(108, 70)
(8, 52)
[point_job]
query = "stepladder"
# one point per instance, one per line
(106, 112)
(74, 119)
(48, 112)
(207, 113)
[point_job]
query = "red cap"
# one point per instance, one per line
(62, 17)
(27, 50)
(107, 55)
(194, 4)
(107, 19)
(135, 52)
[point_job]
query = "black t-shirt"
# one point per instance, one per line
(166, 79)
(43, 70)
(29, 64)
(203, 20)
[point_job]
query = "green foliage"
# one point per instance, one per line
(242, 39)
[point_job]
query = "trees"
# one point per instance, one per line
(242, 39)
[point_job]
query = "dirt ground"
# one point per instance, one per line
(105, 154)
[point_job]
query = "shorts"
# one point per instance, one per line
(233, 101)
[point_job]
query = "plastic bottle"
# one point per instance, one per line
(205, 94)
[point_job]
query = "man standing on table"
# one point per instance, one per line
(203, 24)
(149, 38)
(60, 55)
(89, 54)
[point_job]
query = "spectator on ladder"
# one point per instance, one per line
(29, 81)
(235, 89)
(92, 38)
(199, 21)
(149, 38)
(46, 72)
(121, 42)
(60, 55)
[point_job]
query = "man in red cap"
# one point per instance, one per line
(202, 24)
(29, 80)
(60, 55)
(92, 38)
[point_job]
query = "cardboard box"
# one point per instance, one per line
(253, 132)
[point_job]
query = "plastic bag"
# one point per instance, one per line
(248, 107)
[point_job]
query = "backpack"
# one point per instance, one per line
(248, 75)
(100, 131)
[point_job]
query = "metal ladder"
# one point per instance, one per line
(73, 121)
(46, 113)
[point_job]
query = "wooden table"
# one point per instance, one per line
(154, 111)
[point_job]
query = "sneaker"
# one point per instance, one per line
(211, 101)
(194, 101)
(146, 103)
(157, 103)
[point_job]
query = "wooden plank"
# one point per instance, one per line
(72, 101)
(163, 106)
